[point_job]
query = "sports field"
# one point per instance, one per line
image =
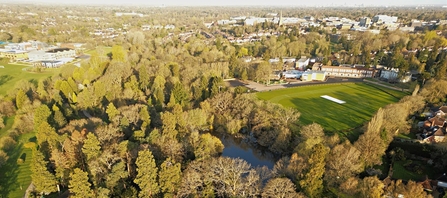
(362, 101)
(12, 73)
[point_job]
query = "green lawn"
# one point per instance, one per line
(105, 50)
(399, 171)
(15, 177)
(8, 124)
(13, 73)
(362, 101)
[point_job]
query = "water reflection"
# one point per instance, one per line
(241, 148)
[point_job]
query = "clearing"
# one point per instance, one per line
(12, 73)
(362, 101)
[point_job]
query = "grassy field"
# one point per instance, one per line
(14, 176)
(362, 101)
(399, 171)
(12, 73)
(8, 121)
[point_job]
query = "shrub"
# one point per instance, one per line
(30, 145)
(7, 143)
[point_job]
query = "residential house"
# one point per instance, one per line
(434, 130)
(302, 63)
(392, 74)
(442, 111)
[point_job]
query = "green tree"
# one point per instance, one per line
(170, 177)
(312, 183)
(146, 178)
(91, 147)
(115, 179)
(46, 133)
(41, 114)
(20, 99)
(112, 112)
(180, 95)
(79, 185)
(118, 53)
(371, 187)
(44, 181)
(145, 117)
(41, 90)
(59, 118)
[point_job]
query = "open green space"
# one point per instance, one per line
(400, 172)
(12, 73)
(104, 50)
(8, 121)
(362, 101)
(15, 175)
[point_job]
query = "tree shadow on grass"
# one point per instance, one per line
(10, 171)
(4, 79)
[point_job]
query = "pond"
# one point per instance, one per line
(241, 148)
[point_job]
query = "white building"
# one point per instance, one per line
(302, 63)
(384, 19)
(254, 21)
(52, 55)
(392, 74)
(119, 14)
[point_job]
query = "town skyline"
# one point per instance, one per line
(325, 3)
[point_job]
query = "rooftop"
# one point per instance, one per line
(55, 50)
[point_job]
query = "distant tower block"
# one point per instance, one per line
(280, 19)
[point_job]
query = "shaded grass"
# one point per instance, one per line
(15, 177)
(11, 74)
(8, 124)
(362, 101)
(399, 171)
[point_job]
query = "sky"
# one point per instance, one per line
(241, 2)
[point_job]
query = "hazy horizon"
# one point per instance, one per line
(242, 3)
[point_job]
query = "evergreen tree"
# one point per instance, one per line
(146, 178)
(44, 181)
(91, 147)
(41, 114)
(170, 177)
(112, 112)
(312, 183)
(79, 185)
(20, 99)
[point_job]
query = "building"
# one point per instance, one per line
(119, 14)
(53, 54)
(392, 74)
(14, 55)
(313, 76)
(292, 74)
(384, 19)
(302, 63)
(344, 72)
(365, 22)
(256, 20)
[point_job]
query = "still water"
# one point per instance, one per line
(240, 148)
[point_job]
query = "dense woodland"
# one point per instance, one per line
(140, 122)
